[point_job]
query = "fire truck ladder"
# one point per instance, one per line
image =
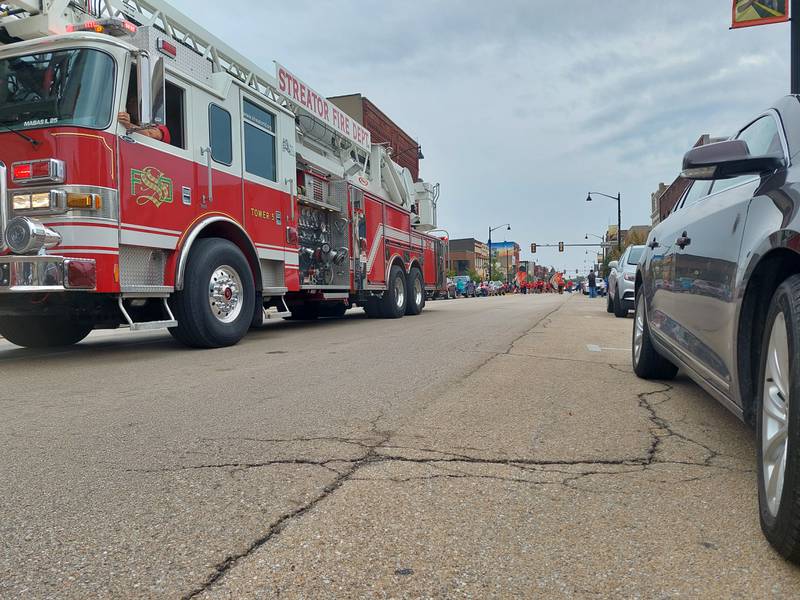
(52, 16)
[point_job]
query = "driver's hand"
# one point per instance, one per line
(125, 120)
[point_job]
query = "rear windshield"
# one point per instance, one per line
(634, 255)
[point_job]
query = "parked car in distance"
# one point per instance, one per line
(465, 286)
(621, 281)
(498, 287)
(718, 295)
(451, 288)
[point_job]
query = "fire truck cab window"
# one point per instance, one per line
(259, 142)
(63, 87)
(174, 109)
(219, 134)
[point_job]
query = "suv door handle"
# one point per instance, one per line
(683, 241)
(653, 245)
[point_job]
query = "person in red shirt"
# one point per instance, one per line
(157, 132)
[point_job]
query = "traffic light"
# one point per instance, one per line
(533, 248)
(560, 246)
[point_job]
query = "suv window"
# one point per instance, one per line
(634, 255)
(762, 137)
(699, 189)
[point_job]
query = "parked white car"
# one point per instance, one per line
(622, 281)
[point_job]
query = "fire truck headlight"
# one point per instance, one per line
(39, 202)
(26, 236)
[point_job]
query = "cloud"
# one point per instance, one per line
(521, 106)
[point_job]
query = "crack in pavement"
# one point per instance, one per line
(377, 452)
(221, 568)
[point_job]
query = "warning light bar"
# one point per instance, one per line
(115, 27)
(165, 47)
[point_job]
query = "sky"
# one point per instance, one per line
(524, 106)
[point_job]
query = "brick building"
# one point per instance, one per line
(405, 150)
(468, 254)
(663, 200)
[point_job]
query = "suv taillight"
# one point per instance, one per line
(49, 170)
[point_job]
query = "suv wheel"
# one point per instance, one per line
(778, 420)
(647, 362)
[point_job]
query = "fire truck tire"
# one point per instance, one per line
(415, 293)
(215, 307)
(395, 298)
(43, 332)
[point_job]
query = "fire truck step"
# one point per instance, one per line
(149, 325)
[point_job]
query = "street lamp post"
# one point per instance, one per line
(602, 238)
(619, 214)
(491, 229)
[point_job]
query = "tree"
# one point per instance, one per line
(634, 238)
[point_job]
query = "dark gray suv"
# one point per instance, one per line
(718, 295)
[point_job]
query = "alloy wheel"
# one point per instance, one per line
(418, 292)
(225, 294)
(775, 414)
(399, 292)
(638, 332)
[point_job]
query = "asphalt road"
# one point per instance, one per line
(490, 447)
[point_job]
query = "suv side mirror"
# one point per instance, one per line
(613, 264)
(724, 160)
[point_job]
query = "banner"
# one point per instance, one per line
(291, 86)
(747, 13)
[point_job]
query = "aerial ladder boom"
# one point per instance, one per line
(29, 19)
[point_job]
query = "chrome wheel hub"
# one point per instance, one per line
(418, 292)
(225, 294)
(399, 292)
(638, 331)
(775, 415)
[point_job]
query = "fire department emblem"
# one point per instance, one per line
(151, 185)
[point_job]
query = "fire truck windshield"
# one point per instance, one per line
(64, 87)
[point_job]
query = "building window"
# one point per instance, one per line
(259, 142)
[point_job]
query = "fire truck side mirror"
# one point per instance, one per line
(158, 92)
(144, 83)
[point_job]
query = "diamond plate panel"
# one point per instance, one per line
(140, 266)
(271, 273)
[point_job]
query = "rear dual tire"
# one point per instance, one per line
(395, 298)
(415, 293)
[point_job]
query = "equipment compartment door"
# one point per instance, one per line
(376, 255)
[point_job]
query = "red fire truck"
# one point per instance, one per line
(220, 197)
